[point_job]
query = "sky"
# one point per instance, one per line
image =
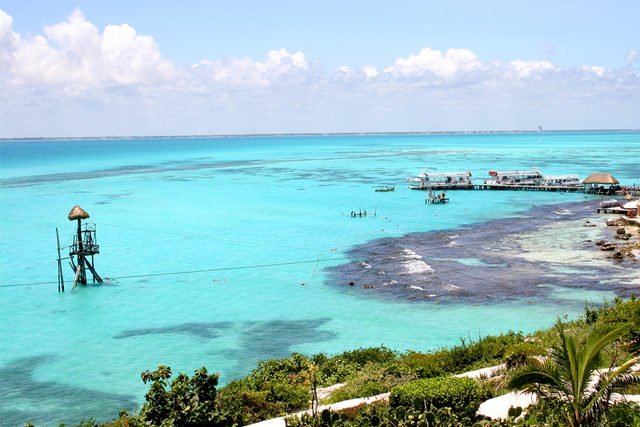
(118, 68)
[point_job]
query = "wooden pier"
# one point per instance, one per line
(532, 187)
(526, 187)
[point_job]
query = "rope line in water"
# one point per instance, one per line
(244, 267)
(208, 270)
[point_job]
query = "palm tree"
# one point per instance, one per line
(569, 378)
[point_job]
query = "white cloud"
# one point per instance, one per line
(523, 69)
(430, 61)
(74, 52)
(370, 71)
(76, 79)
(8, 40)
(594, 69)
(632, 56)
(279, 65)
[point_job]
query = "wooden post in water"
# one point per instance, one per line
(60, 276)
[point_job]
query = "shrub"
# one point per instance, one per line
(185, 401)
(370, 380)
(279, 370)
(462, 395)
(517, 354)
(338, 368)
(362, 356)
(488, 350)
(623, 415)
(423, 365)
(272, 399)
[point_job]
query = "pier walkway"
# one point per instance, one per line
(530, 187)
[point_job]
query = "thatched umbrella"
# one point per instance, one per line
(601, 178)
(77, 213)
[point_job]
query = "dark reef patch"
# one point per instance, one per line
(259, 340)
(272, 340)
(481, 263)
(203, 330)
(24, 399)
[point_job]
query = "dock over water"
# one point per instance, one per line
(529, 187)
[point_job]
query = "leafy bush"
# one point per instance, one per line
(462, 395)
(616, 313)
(251, 403)
(624, 415)
(185, 401)
(423, 365)
(485, 352)
(382, 416)
(517, 354)
(337, 368)
(288, 370)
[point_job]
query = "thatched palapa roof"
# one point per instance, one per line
(77, 213)
(600, 178)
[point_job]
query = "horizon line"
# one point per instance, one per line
(286, 134)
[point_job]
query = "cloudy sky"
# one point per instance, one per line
(88, 68)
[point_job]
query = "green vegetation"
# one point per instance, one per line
(564, 377)
(462, 395)
(423, 393)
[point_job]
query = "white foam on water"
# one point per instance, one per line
(415, 264)
(418, 288)
(416, 267)
(365, 265)
(409, 254)
(563, 212)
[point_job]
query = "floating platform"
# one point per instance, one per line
(436, 200)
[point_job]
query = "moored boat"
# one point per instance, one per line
(444, 181)
(530, 178)
(561, 181)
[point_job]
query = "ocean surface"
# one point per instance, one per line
(225, 251)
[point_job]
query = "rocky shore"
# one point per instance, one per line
(625, 242)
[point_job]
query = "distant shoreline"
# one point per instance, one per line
(262, 135)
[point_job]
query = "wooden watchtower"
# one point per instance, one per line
(83, 248)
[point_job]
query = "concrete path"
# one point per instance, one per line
(498, 407)
(489, 372)
(345, 404)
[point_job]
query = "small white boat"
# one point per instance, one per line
(444, 180)
(385, 188)
(532, 177)
(561, 181)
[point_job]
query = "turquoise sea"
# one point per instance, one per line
(256, 233)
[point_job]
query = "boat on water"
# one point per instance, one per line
(530, 178)
(443, 181)
(385, 188)
(561, 181)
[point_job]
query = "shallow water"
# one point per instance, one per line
(268, 219)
